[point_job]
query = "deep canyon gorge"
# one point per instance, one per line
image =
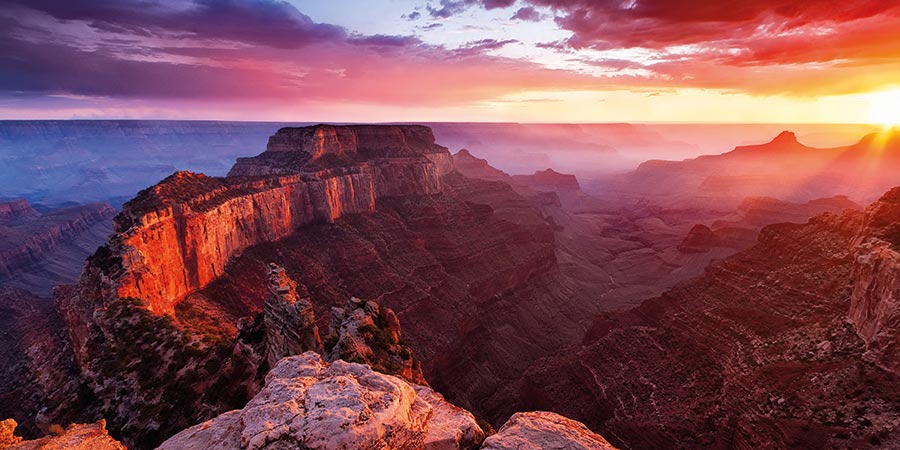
(683, 304)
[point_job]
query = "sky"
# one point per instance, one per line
(791, 61)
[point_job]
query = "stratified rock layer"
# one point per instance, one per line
(308, 403)
(38, 251)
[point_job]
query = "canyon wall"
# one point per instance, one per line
(177, 236)
(875, 300)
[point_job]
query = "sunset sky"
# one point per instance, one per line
(452, 60)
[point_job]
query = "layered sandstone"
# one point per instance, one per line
(308, 403)
(38, 251)
(177, 236)
(875, 300)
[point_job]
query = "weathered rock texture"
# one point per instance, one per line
(757, 353)
(366, 333)
(288, 318)
(544, 431)
(294, 150)
(308, 403)
(875, 300)
(75, 437)
(38, 251)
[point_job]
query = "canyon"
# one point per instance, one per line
(515, 293)
(39, 250)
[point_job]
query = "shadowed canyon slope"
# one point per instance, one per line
(789, 344)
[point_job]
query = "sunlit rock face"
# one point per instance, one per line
(177, 236)
(544, 430)
(310, 404)
(75, 437)
(399, 159)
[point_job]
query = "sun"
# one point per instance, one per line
(884, 108)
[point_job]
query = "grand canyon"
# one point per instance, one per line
(437, 225)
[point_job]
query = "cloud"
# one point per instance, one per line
(527, 14)
(195, 51)
(448, 8)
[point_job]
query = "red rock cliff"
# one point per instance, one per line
(177, 236)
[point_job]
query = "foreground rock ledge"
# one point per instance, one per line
(310, 404)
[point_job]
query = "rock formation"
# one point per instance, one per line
(297, 150)
(308, 403)
(192, 224)
(542, 431)
(876, 282)
(75, 437)
(550, 180)
(288, 318)
(38, 378)
(38, 251)
(366, 333)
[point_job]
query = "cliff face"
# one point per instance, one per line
(177, 236)
(38, 377)
(293, 150)
(875, 300)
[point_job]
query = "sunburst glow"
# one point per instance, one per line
(885, 108)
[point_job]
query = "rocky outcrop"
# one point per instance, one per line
(288, 318)
(75, 437)
(875, 299)
(294, 150)
(475, 167)
(542, 431)
(38, 251)
(308, 403)
(366, 333)
(177, 236)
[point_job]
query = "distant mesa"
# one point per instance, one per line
(308, 149)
